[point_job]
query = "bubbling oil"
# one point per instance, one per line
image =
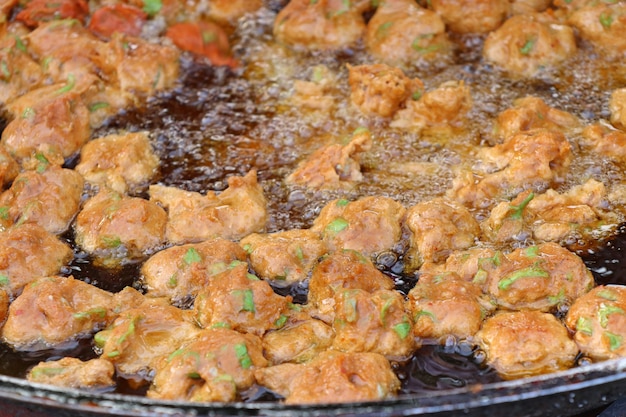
(218, 122)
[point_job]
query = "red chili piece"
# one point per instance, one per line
(117, 18)
(204, 38)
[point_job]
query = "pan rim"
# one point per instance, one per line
(567, 384)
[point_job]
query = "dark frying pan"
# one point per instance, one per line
(565, 393)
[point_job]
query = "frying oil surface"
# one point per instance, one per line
(218, 123)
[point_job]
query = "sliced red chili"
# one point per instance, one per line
(205, 39)
(120, 18)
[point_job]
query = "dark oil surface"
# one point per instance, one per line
(608, 262)
(217, 123)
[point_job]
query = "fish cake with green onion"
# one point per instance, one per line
(373, 322)
(343, 269)
(439, 227)
(528, 44)
(56, 311)
(332, 377)
(213, 366)
(544, 277)
(369, 225)
(526, 343)
(285, 257)
(179, 273)
(238, 300)
(445, 305)
(598, 319)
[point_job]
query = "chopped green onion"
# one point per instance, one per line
(337, 225)
(43, 162)
(174, 354)
(247, 299)
(241, 350)
(384, 309)
(157, 77)
(224, 378)
(19, 44)
(606, 19)
(318, 74)
(4, 67)
(607, 295)
(4, 280)
(605, 310)
(417, 44)
(402, 329)
(294, 307)
(480, 277)
(111, 241)
(172, 282)
(342, 202)
(152, 7)
(98, 311)
(45, 63)
(495, 260)
(425, 313)
(192, 256)
(299, 253)
(531, 251)
(4, 213)
(63, 23)
(362, 259)
(383, 29)
(220, 325)
(28, 113)
(208, 37)
(248, 248)
(193, 375)
(281, 321)
(344, 9)
(438, 279)
(359, 130)
(556, 299)
(528, 46)
(584, 325)
(530, 272)
(46, 371)
(131, 329)
(217, 267)
(517, 211)
(101, 338)
(98, 105)
(349, 309)
(615, 340)
(235, 264)
(71, 82)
